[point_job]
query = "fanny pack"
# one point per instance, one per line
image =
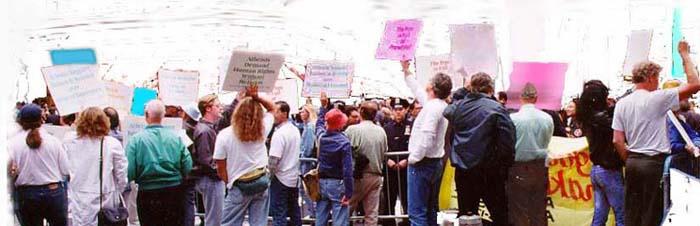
(253, 182)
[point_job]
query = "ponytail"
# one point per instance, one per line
(34, 139)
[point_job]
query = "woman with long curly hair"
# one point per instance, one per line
(38, 167)
(241, 159)
(89, 148)
(595, 117)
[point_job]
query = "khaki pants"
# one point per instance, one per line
(366, 191)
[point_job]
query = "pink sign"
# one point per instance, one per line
(548, 78)
(399, 40)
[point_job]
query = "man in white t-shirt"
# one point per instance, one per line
(641, 139)
(284, 165)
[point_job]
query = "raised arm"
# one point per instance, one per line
(693, 85)
(301, 76)
(252, 91)
(321, 120)
(412, 84)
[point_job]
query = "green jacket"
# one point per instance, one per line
(157, 158)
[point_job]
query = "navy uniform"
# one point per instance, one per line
(395, 184)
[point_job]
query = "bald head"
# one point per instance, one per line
(155, 112)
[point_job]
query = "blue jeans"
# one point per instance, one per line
(423, 190)
(212, 191)
(284, 202)
(34, 204)
(609, 192)
(332, 192)
(236, 205)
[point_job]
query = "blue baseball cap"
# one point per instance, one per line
(30, 113)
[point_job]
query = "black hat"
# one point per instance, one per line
(398, 102)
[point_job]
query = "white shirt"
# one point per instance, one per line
(286, 145)
(642, 117)
(84, 189)
(44, 165)
(241, 157)
(429, 128)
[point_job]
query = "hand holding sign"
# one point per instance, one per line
(399, 40)
(252, 68)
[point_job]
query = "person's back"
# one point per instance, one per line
(533, 129)
(37, 166)
(369, 140)
(159, 158)
(642, 115)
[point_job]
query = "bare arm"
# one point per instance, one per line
(221, 170)
(693, 86)
(297, 73)
(619, 143)
(252, 91)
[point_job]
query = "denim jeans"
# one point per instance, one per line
(609, 191)
(332, 192)
(423, 188)
(236, 205)
(212, 191)
(284, 202)
(41, 202)
(161, 206)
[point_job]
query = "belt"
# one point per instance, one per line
(660, 156)
(50, 186)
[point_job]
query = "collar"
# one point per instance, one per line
(527, 106)
(154, 126)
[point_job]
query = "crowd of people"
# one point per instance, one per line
(245, 160)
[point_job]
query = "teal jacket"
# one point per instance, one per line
(157, 158)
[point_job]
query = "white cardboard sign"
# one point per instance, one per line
(178, 88)
(75, 87)
(252, 68)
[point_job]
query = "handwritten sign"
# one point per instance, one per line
(638, 47)
(548, 78)
(178, 88)
(474, 49)
(74, 87)
(399, 40)
(135, 124)
(334, 78)
(119, 96)
(429, 66)
(141, 97)
(286, 90)
(252, 68)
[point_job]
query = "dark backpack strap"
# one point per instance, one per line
(101, 160)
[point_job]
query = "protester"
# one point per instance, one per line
(190, 119)
(684, 152)
(572, 127)
(96, 159)
(527, 178)
(368, 140)
(335, 166)
(595, 117)
(307, 150)
(38, 167)
(426, 147)
(640, 141)
(398, 132)
(353, 115)
(203, 178)
(284, 166)
(158, 162)
(241, 159)
(483, 148)
(691, 117)
(114, 124)
(414, 110)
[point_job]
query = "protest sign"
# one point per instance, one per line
(429, 66)
(119, 96)
(141, 97)
(638, 46)
(473, 49)
(548, 78)
(73, 56)
(334, 78)
(134, 124)
(74, 87)
(178, 88)
(399, 40)
(252, 68)
(286, 90)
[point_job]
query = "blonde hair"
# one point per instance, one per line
(312, 112)
(93, 123)
(205, 102)
(247, 121)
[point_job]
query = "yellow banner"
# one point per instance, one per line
(570, 193)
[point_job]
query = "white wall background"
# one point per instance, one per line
(133, 38)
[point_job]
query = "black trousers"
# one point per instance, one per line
(483, 182)
(161, 207)
(527, 199)
(395, 187)
(644, 190)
